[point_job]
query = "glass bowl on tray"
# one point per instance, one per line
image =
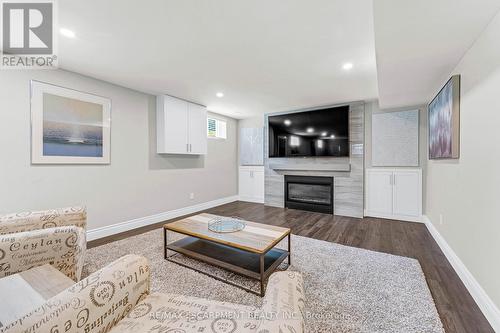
(224, 224)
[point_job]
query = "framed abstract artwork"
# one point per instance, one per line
(69, 126)
(395, 138)
(252, 146)
(444, 121)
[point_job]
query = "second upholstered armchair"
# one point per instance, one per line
(55, 237)
(117, 299)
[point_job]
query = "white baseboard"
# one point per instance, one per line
(394, 217)
(489, 309)
(251, 199)
(152, 219)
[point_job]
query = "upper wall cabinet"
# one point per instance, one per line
(181, 126)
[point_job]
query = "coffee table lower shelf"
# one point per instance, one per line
(252, 265)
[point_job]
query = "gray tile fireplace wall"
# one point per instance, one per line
(347, 171)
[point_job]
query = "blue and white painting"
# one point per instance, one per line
(72, 127)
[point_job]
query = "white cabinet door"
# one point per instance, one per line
(181, 126)
(174, 127)
(197, 129)
(379, 192)
(407, 193)
(251, 184)
(245, 184)
(258, 185)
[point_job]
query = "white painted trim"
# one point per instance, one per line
(251, 199)
(395, 217)
(489, 309)
(152, 219)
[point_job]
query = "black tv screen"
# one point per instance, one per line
(322, 132)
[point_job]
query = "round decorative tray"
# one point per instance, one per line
(226, 224)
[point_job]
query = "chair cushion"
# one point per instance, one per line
(93, 305)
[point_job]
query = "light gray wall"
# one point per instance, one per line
(252, 122)
(466, 192)
(138, 182)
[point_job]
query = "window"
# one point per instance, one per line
(294, 141)
(216, 128)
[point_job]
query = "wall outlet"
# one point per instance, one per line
(191, 196)
(441, 222)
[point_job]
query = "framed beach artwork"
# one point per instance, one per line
(444, 121)
(69, 126)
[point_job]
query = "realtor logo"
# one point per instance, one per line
(28, 34)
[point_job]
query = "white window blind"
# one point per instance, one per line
(216, 128)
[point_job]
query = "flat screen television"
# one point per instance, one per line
(316, 133)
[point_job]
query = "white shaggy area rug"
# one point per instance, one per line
(347, 289)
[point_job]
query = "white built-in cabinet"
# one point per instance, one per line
(394, 193)
(251, 183)
(181, 126)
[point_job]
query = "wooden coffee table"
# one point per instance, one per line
(250, 252)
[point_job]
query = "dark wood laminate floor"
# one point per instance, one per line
(459, 313)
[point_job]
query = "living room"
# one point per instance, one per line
(227, 166)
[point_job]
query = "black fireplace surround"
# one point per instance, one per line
(309, 193)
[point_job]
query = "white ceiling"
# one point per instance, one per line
(272, 55)
(419, 43)
(265, 55)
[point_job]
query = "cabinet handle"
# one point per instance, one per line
(187, 147)
(394, 180)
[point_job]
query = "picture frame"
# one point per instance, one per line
(444, 122)
(69, 126)
(395, 138)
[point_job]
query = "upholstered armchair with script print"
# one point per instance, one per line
(55, 237)
(283, 311)
(93, 305)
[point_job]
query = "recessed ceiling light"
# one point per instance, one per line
(347, 66)
(310, 130)
(332, 136)
(324, 134)
(220, 94)
(287, 122)
(67, 33)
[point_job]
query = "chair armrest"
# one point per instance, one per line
(61, 247)
(284, 304)
(92, 305)
(12, 223)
